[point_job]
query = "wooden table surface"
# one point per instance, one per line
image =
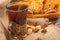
(53, 33)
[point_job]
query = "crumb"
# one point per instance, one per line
(44, 31)
(44, 26)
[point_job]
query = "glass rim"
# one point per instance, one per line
(10, 4)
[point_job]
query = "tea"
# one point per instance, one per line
(17, 13)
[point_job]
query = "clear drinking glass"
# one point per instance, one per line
(17, 16)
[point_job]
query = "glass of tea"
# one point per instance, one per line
(17, 15)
